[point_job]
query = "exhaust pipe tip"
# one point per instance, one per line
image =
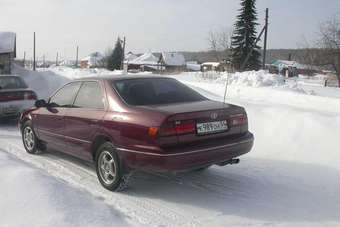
(233, 161)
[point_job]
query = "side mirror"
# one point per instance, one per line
(40, 103)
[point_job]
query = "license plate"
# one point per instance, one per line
(212, 127)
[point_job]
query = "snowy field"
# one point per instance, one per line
(290, 178)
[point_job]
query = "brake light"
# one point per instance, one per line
(30, 96)
(238, 119)
(185, 127)
(178, 128)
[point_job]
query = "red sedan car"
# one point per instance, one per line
(129, 123)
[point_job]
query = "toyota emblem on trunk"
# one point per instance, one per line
(214, 116)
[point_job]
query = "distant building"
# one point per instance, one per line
(145, 62)
(172, 61)
(193, 66)
(211, 66)
(94, 60)
(7, 51)
(130, 57)
(292, 68)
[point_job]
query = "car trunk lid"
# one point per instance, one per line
(199, 121)
(7, 95)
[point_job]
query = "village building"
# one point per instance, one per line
(94, 60)
(193, 66)
(130, 57)
(7, 51)
(172, 61)
(145, 62)
(292, 68)
(211, 66)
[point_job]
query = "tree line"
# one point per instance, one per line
(235, 45)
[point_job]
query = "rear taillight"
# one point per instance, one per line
(30, 95)
(178, 128)
(10, 96)
(185, 127)
(238, 119)
(4, 98)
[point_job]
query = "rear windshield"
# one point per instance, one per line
(155, 91)
(10, 82)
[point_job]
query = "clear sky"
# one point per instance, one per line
(156, 25)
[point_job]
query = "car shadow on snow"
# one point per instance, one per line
(268, 190)
(260, 189)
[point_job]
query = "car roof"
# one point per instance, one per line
(122, 77)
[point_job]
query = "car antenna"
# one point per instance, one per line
(225, 90)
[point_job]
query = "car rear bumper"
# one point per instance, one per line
(190, 157)
(15, 108)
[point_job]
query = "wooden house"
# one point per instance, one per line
(7, 51)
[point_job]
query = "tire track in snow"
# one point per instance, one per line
(145, 211)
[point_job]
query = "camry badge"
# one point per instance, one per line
(214, 116)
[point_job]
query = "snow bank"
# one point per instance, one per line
(72, 73)
(250, 79)
(253, 79)
(44, 83)
(77, 73)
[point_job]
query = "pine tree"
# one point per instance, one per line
(244, 38)
(114, 60)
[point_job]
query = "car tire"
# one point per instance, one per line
(110, 171)
(29, 139)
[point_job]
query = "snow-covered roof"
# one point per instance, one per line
(145, 59)
(130, 56)
(173, 58)
(7, 42)
(94, 59)
(193, 66)
(285, 63)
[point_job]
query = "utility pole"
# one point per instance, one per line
(265, 41)
(77, 57)
(123, 57)
(34, 51)
(56, 60)
(252, 49)
(44, 61)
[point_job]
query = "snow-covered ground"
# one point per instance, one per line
(291, 177)
(30, 197)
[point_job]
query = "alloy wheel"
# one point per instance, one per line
(29, 138)
(107, 167)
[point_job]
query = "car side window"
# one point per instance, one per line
(90, 96)
(65, 96)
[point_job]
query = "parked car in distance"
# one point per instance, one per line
(15, 96)
(147, 123)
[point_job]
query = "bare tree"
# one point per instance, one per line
(309, 55)
(330, 44)
(219, 42)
